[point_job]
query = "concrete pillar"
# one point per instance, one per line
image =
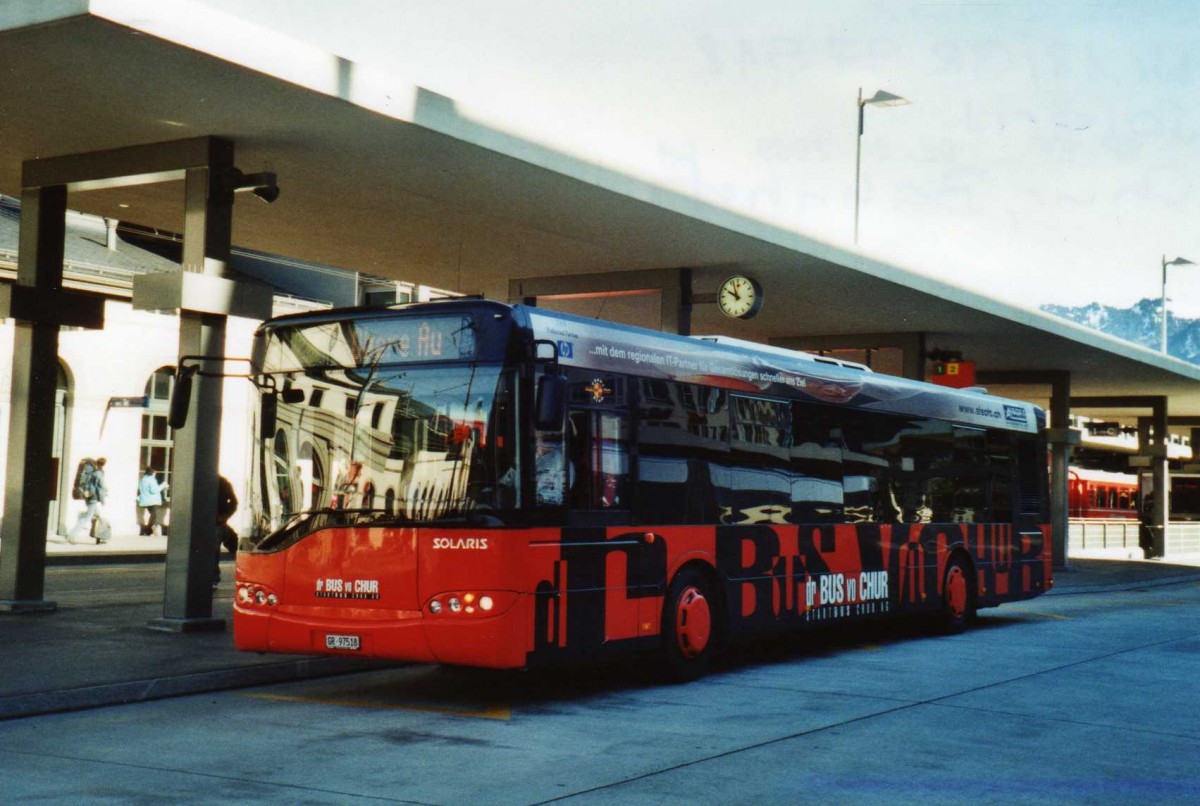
(1159, 464)
(39, 305)
(193, 545)
(1156, 449)
(204, 298)
(35, 367)
(201, 296)
(1060, 438)
(915, 357)
(677, 304)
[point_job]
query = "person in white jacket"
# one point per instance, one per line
(149, 500)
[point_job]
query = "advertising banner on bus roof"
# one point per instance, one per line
(592, 344)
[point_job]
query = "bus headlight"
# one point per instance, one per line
(467, 604)
(252, 593)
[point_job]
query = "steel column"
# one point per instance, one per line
(30, 478)
(192, 547)
(1060, 439)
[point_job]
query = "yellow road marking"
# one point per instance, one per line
(494, 712)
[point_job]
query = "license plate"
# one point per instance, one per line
(341, 642)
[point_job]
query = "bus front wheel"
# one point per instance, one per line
(958, 596)
(689, 626)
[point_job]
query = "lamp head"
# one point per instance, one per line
(884, 98)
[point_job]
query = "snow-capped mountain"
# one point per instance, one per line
(1140, 324)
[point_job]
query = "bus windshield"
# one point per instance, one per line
(412, 443)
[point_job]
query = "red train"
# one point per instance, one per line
(1102, 494)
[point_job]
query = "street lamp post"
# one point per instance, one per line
(1179, 261)
(880, 98)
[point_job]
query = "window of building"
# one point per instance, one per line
(157, 438)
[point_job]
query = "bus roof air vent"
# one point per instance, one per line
(773, 350)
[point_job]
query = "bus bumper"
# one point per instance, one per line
(498, 642)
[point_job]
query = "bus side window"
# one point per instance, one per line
(549, 468)
(682, 444)
(599, 459)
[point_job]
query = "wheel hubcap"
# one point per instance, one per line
(693, 623)
(956, 591)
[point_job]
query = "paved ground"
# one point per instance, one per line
(1088, 695)
(123, 548)
(97, 650)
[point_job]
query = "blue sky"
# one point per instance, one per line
(1051, 152)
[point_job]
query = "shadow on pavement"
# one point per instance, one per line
(96, 649)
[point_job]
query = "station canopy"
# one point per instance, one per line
(390, 179)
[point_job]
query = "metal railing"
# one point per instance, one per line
(1086, 534)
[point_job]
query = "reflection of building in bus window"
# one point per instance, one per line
(858, 498)
(611, 495)
(599, 452)
(548, 467)
(914, 504)
(887, 508)
(300, 501)
(346, 487)
(282, 467)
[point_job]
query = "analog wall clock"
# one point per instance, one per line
(740, 297)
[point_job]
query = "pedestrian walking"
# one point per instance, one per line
(90, 488)
(149, 501)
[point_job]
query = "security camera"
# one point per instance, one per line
(262, 184)
(268, 193)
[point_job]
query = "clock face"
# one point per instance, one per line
(739, 297)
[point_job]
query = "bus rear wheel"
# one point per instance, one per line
(689, 626)
(958, 597)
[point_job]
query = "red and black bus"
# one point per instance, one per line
(468, 482)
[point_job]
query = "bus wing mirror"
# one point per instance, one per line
(181, 398)
(549, 405)
(267, 414)
(269, 409)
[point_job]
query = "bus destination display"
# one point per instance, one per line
(426, 338)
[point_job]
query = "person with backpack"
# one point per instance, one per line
(91, 489)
